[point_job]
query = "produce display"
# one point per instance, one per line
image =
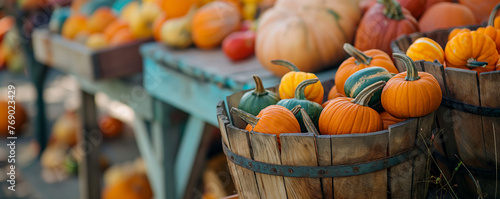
(12, 57)
(293, 78)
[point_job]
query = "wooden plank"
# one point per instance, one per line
(436, 70)
(368, 147)
(468, 129)
(233, 101)
(401, 138)
(265, 149)
(240, 145)
(421, 164)
(325, 159)
(299, 149)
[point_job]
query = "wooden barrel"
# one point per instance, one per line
(469, 121)
(391, 163)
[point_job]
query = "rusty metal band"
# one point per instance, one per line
(469, 108)
(322, 171)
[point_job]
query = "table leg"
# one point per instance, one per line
(91, 139)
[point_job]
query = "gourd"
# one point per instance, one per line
(273, 119)
(254, 101)
(425, 49)
(411, 93)
(345, 115)
(209, 26)
(312, 109)
(292, 79)
(176, 32)
(309, 33)
(384, 22)
(364, 78)
(360, 60)
(445, 15)
(388, 119)
(471, 51)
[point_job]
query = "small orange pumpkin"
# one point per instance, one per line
(411, 93)
(456, 32)
(334, 93)
(213, 22)
(388, 119)
(472, 51)
(360, 60)
(135, 186)
(425, 49)
(345, 115)
(292, 79)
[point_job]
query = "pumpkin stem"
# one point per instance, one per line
(473, 63)
(308, 122)
(364, 96)
(493, 13)
(411, 68)
(299, 91)
(245, 116)
(392, 9)
(295, 110)
(259, 88)
(286, 64)
(361, 58)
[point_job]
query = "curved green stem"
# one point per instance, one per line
(296, 109)
(411, 68)
(286, 64)
(473, 63)
(364, 96)
(491, 19)
(299, 91)
(360, 57)
(308, 122)
(245, 116)
(259, 88)
(392, 9)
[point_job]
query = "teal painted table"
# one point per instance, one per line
(193, 81)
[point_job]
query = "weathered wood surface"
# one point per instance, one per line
(299, 149)
(368, 147)
(75, 58)
(401, 138)
(265, 149)
(324, 146)
(421, 164)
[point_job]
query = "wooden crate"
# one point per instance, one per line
(466, 133)
(75, 58)
(305, 153)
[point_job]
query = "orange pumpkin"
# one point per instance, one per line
(445, 15)
(176, 8)
(334, 93)
(456, 32)
(100, 19)
(110, 127)
(411, 93)
(472, 51)
(383, 23)
(75, 24)
(113, 28)
(123, 36)
(292, 79)
(213, 22)
(6, 23)
(388, 119)
(480, 8)
(309, 33)
(135, 186)
(425, 49)
(496, 23)
(430, 3)
(345, 115)
(360, 60)
(19, 118)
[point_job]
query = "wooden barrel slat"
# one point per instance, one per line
(356, 148)
(265, 149)
(299, 149)
(324, 145)
(401, 138)
(421, 163)
(240, 145)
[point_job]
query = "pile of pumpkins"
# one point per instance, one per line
(311, 33)
(470, 50)
(368, 96)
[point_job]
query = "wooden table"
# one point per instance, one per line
(193, 81)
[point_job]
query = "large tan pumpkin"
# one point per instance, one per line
(308, 33)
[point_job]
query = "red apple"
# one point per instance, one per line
(239, 45)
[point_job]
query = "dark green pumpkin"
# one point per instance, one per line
(254, 101)
(364, 78)
(313, 109)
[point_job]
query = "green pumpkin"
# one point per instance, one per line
(364, 78)
(313, 109)
(254, 101)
